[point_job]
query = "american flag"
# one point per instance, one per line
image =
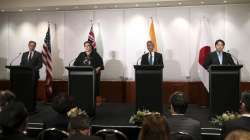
(91, 37)
(47, 60)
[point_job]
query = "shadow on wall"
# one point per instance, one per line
(58, 65)
(3, 70)
(172, 68)
(194, 68)
(114, 69)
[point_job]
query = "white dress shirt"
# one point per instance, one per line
(153, 57)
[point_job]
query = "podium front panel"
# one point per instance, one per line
(82, 89)
(23, 86)
(224, 91)
(149, 90)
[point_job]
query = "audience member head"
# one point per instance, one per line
(78, 122)
(245, 102)
(13, 118)
(238, 135)
(178, 103)
(62, 104)
(154, 127)
(6, 97)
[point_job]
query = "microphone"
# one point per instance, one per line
(237, 61)
(15, 58)
(71, 61)
(137, 62)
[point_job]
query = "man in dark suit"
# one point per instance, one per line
(218, 57)
(32, 58)
(244, 122)
(178, 121)
(151, 58)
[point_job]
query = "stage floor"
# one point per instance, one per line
(118, 114)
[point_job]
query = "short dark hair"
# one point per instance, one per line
(31, 41)
(6, 97)
(150, 41)
(221, 41)
(179, 102)
(13, 117)
(62, 103)
(245, 98)
(90, 43)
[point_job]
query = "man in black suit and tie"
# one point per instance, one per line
(32, 59)
(244, 122)
(151, 58)
(218, 57)
(178, 121)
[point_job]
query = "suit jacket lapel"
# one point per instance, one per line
(155, 59)
(217, 58)
(26, 56)
(224, 57)
(148, 56)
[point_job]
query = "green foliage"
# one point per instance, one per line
(138, 117)
(220, 119)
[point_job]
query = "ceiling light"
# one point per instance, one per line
(136, 5)
(116, 6)
(20, 10)
(57, 8)
(202, 2)
(225, 1)
(38, 9)
(158, 4)
(179, 3)
(2, 10)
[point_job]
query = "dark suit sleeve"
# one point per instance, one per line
(98, 61)
(78, 60)
(39, 62)
(161, 60)
(144, 60)
(225, 129)
(22, 60)
(230, 59)
(207, 62)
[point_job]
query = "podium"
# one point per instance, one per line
(23, 85)
(224, 88)
(81, 86)
(148, 80)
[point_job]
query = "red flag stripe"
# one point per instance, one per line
(204, 51)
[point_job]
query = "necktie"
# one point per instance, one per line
(220, 57)
(30, 55)
(151, 59)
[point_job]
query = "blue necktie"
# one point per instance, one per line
(220, 57)
(151, 59)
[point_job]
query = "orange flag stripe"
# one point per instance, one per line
(152, 35)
